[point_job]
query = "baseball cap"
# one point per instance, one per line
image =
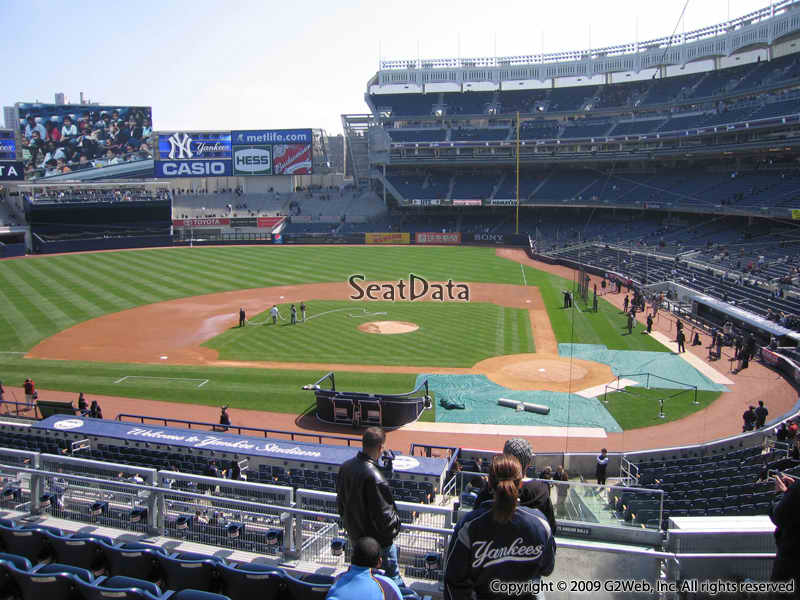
(520, 449)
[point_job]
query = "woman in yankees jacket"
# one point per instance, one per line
(500, 543)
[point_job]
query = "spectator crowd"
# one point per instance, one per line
(57, 145)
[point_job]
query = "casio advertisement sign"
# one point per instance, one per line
(193, 168)
(252, 160)
(194, 154)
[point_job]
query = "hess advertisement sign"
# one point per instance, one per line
(252, 160)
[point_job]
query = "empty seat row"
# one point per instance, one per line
(82, 566)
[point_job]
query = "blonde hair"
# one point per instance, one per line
(505, 476)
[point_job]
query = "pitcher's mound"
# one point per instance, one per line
(544, 372)
(388, 327)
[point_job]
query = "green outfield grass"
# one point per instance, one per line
(44, 295)
(253, 389)
(639, 407)
(449, 335)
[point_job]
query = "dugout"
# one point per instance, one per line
(360, 409)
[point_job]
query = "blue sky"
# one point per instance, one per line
(269, 64)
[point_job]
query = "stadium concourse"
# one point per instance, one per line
(168, 333)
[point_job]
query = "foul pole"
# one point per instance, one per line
(516, 228)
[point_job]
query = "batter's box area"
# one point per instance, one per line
(150, 381)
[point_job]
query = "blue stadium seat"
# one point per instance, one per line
(187, 574)
(102, 591)
(197, 595)
(132, 560)
(80, 550)
(309, 587)
(252, 581)
(119, 582)
(27, 542)
(52, 581)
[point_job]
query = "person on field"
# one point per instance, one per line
(761, 414)
(95, 412)
(293, 312)
(303, 311)
(273, 312)
(224, 419)
(242, 318)
(83, 406)
(30, 390)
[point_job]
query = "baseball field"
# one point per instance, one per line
(162, 324)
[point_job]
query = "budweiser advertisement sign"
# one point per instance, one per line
(433, 237)
(291, 159)
(200, 222)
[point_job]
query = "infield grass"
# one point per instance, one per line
(449, 335)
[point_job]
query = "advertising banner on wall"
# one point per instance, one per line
(467, 202)
(194, 154)
(272, 151)
(387, 238)
(291, 159)
(252, 160)
(200, 222)
(12, 171)
(434, 237)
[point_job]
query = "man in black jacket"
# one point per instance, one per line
(533, 494)
(785, 514)
(364, 501)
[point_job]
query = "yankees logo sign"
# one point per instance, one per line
(181, 144)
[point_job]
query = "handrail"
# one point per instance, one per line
(24, 407)
(239, 428)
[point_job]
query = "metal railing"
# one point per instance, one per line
(315, 538)
(321, 438)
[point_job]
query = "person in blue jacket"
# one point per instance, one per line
(500, 542)
(359, 581)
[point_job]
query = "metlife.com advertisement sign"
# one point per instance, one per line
(194, 154)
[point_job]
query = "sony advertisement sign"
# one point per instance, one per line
(252, 160)
(194, 154)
